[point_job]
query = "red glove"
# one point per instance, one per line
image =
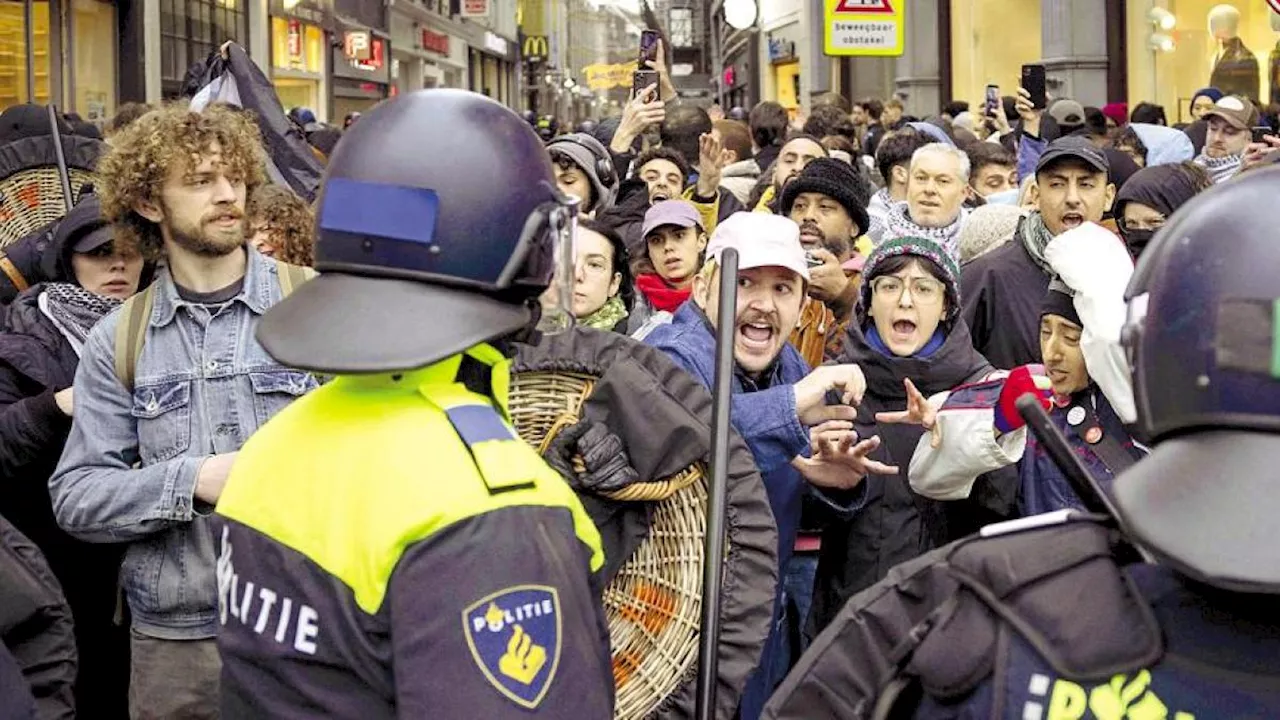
(1022, 380)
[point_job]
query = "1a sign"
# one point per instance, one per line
(864, 27)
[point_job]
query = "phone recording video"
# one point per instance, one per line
(648, 48)
(992, 102)
(1033, 81)
(642, 79)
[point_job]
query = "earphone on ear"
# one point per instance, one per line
(604, 161)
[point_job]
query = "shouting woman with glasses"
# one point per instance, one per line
(908, 337)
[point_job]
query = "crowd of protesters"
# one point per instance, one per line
(909, 266)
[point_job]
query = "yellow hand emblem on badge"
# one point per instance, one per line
(523, 659)
(1130, 700)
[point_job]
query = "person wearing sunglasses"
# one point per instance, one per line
(1147, 201)
(46, 329)
(908, 333)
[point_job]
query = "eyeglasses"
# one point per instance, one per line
(925, 291)
(594, 266)
(1126, 226)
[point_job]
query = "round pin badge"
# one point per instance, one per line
(1075, 416)
(1093, 435)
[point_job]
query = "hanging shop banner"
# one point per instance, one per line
(604, 77)
(864, 27)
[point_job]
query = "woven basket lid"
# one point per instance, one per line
(30, 185)
(653, 605)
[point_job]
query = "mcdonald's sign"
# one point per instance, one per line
(535, 48)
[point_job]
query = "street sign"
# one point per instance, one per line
(864, 27)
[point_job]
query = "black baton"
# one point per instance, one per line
(713, 549)
(63, 174)
(1082, 481)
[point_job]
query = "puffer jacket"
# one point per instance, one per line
(896, 524)
(36, 361)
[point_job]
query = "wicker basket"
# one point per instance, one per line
(30, 187)
(31, 199)
(653, 606)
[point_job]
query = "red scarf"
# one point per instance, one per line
(661, 295)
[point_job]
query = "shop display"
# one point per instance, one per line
(1235, 68)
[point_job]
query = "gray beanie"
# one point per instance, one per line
(987, 228)
(589, 154)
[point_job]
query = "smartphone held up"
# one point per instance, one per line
(1033, 81)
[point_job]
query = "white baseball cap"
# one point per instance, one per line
(762, 240)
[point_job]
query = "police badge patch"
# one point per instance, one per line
(514, 636)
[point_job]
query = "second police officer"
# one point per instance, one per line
(1066, 620)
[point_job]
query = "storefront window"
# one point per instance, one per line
(17, 60)
(191, 29)
(1181, 46)
(990, 42)
(94, 48)
(297, 60)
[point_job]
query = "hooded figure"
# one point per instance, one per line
(1165, 145)
(1154, 193)
(910, 334)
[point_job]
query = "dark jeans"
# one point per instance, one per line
(174, 679)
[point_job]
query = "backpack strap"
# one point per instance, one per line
(291, 277)
(131, 333)
(12, 272)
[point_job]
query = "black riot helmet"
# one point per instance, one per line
(427, 242)
(1203, 339)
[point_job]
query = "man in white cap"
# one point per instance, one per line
(777, 400)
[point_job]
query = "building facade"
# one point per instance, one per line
(429, 48)
(62, 51)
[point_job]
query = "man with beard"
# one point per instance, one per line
(1003, 289)
(1228, 136)
(776, 397)
(155, 434)
(796, 154)
(828, 200)
(937, 186)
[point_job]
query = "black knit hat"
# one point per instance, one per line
(837, 180)
(1060, 301)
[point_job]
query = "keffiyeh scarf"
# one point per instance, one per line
(1220, 169)
(1036, 237)
(900, 224)
(74, 310)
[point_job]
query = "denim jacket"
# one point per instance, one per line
(764, 414)
(128, 472)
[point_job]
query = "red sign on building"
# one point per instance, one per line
(435, 42)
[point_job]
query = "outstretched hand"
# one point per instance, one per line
(918, 412)
(840, 464)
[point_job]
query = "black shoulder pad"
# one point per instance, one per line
(1058, 587)
(936, 619)
(854, 659)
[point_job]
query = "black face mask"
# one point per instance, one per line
(1137, 241)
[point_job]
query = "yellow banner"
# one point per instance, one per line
(604, 77)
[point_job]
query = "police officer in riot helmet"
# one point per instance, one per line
(390, 548)
(1166, 609)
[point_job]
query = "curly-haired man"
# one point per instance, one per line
(282, 225)
(160, 415)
